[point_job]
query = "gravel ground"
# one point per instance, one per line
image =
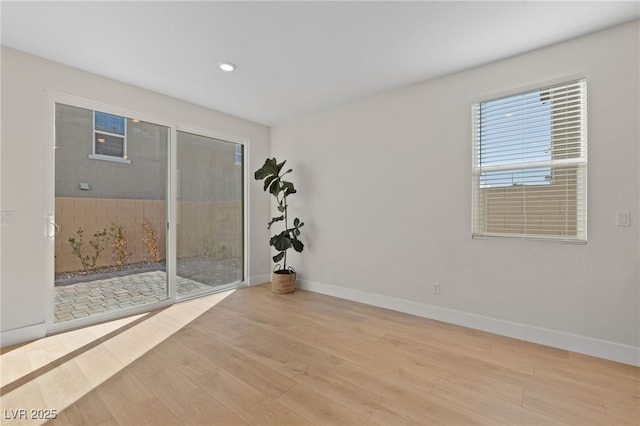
(66, 278)
(202, 270)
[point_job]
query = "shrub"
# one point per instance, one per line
(151, 240)
(98, 244)
(119, 245)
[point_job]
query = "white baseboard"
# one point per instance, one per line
(558, 339)
(22, 334)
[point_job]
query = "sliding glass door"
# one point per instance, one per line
(209, 214)
(141, 214)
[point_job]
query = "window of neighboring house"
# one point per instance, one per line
(109, 137)
(530, 164)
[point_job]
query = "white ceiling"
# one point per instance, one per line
(293, 58)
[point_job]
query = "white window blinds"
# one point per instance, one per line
(530, 164)
(110, 135)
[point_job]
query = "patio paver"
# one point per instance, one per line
(89, 298)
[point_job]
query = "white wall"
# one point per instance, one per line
(25, 176)
(385, 192)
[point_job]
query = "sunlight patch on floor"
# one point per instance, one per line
(54, 372)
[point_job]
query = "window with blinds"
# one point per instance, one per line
(530, 164)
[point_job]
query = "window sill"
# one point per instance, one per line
(567, 240)
(109, 158)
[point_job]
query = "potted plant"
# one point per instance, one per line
(283, 279)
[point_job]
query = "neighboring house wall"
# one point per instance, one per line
(207, 169)
(384, 185)
(144, 178)
(209, 198)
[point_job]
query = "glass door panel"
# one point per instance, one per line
(209, 216)
(110, 209)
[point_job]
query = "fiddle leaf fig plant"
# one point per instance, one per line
(272, 174)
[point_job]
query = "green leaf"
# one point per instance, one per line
(288, 188)
(278, 257)
(274, 189)
(268, 181)
(275, 219)
(281, 242)
(287, 184)
(297, 245)
(270, 167)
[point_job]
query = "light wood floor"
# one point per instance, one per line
(252, 357)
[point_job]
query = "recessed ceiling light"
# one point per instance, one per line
(227, 66)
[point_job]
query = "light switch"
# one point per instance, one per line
(8, 217)
(623, 218)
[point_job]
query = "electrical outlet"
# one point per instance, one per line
(436, 288)
(623, 218)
